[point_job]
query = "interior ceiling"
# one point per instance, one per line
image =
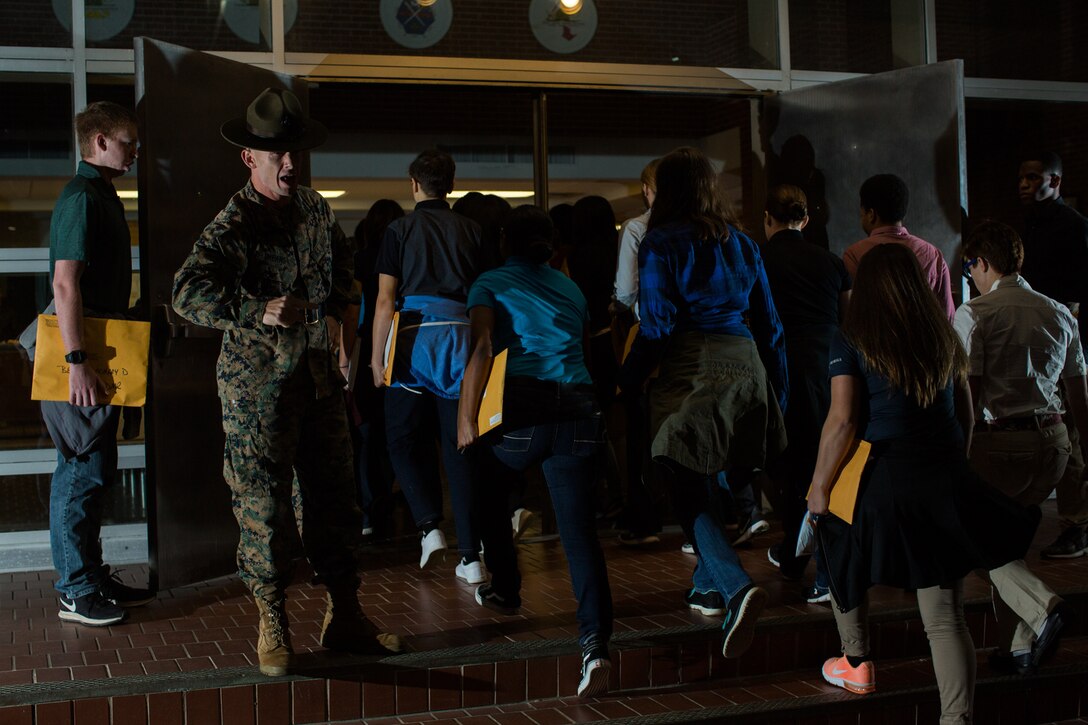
(39, 194)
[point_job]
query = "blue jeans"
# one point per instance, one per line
(701, 519)
(569, 453)
(75, 514)
(412, 421)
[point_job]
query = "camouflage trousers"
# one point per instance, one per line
(269, 445)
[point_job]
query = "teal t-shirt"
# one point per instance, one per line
(88, 225)
(540, 317)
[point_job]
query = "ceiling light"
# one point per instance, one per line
(128, 194)
(502, 194)
(332, 194)
(425, 3)
(570, 7)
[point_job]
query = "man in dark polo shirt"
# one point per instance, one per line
(427, 263)
(90, 268)
(1056, 265)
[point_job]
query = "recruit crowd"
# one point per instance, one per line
(749, 363)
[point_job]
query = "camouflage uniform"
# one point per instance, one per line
(283, 414)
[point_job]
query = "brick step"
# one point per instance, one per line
(906, 694)
(343, 688)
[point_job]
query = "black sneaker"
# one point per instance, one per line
(92, 609)
(740, 620)
(752, 525)
(793, 570)
(123, 595)
(1072, 542)
(817, 594)
(486, 596)
(711, 603)
(596, 666)
(628, 538)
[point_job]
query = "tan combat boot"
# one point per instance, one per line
(273, 639)
(347, 629)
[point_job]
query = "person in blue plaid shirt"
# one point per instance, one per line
(709, 325)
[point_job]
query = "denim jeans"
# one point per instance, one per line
(569, 453)
(413, 420)
(373, 475)
(701, 519)
(75, 514)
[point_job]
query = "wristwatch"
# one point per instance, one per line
(75, 357)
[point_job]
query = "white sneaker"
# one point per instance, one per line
(687, 548)
(519, 521)
(472, 572)
(432, 542)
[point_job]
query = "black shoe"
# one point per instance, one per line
(740, 620)
(1003, 663)
(817, 594)
(752, 525)
(711, 603)
(628, 538)
(486, 596)
(596, 666)
(1072, 542)
(123, 595)
(793, 570)
(1047, 641)
(92, 609)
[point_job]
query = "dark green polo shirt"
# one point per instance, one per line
(88, 225)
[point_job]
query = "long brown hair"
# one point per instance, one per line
(894, 321)
(687, 191)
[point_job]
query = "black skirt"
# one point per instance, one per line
(923, 519)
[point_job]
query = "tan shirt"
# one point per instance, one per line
(1020, 343)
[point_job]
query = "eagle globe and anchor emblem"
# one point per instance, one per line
(416, 23)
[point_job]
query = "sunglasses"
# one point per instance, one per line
(967, 264)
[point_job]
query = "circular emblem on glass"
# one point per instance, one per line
(105, 18)
(415, 24)
(243, 17)
(563, 26)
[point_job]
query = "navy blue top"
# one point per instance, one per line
(540, 317)
(890, 413)
(709, 285)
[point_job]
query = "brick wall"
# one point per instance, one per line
(841, 35)
(700, 32)
(1015, 39)
(31, 23)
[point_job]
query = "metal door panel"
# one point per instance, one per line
(187, 174)
(829, 138)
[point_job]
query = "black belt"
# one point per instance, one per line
(1019, 423)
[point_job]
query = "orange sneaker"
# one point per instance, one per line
(860, 679)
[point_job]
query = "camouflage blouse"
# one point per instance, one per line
(249, 254)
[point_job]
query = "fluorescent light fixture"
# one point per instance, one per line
(570, 7)
(502, 194)
(328, 194)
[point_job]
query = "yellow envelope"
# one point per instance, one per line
(490, 415)
(116, 349)
(390, 350)
(844, 487)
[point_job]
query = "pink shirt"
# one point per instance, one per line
(931, 259)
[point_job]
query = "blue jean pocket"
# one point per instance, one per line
(517, 441)
(587, 436)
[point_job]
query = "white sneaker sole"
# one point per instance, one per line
(475, 579)
(854, 687)
(595, 680)
(706, 611)
(739, 638)
(80, 619)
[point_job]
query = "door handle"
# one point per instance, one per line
(167, 326)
